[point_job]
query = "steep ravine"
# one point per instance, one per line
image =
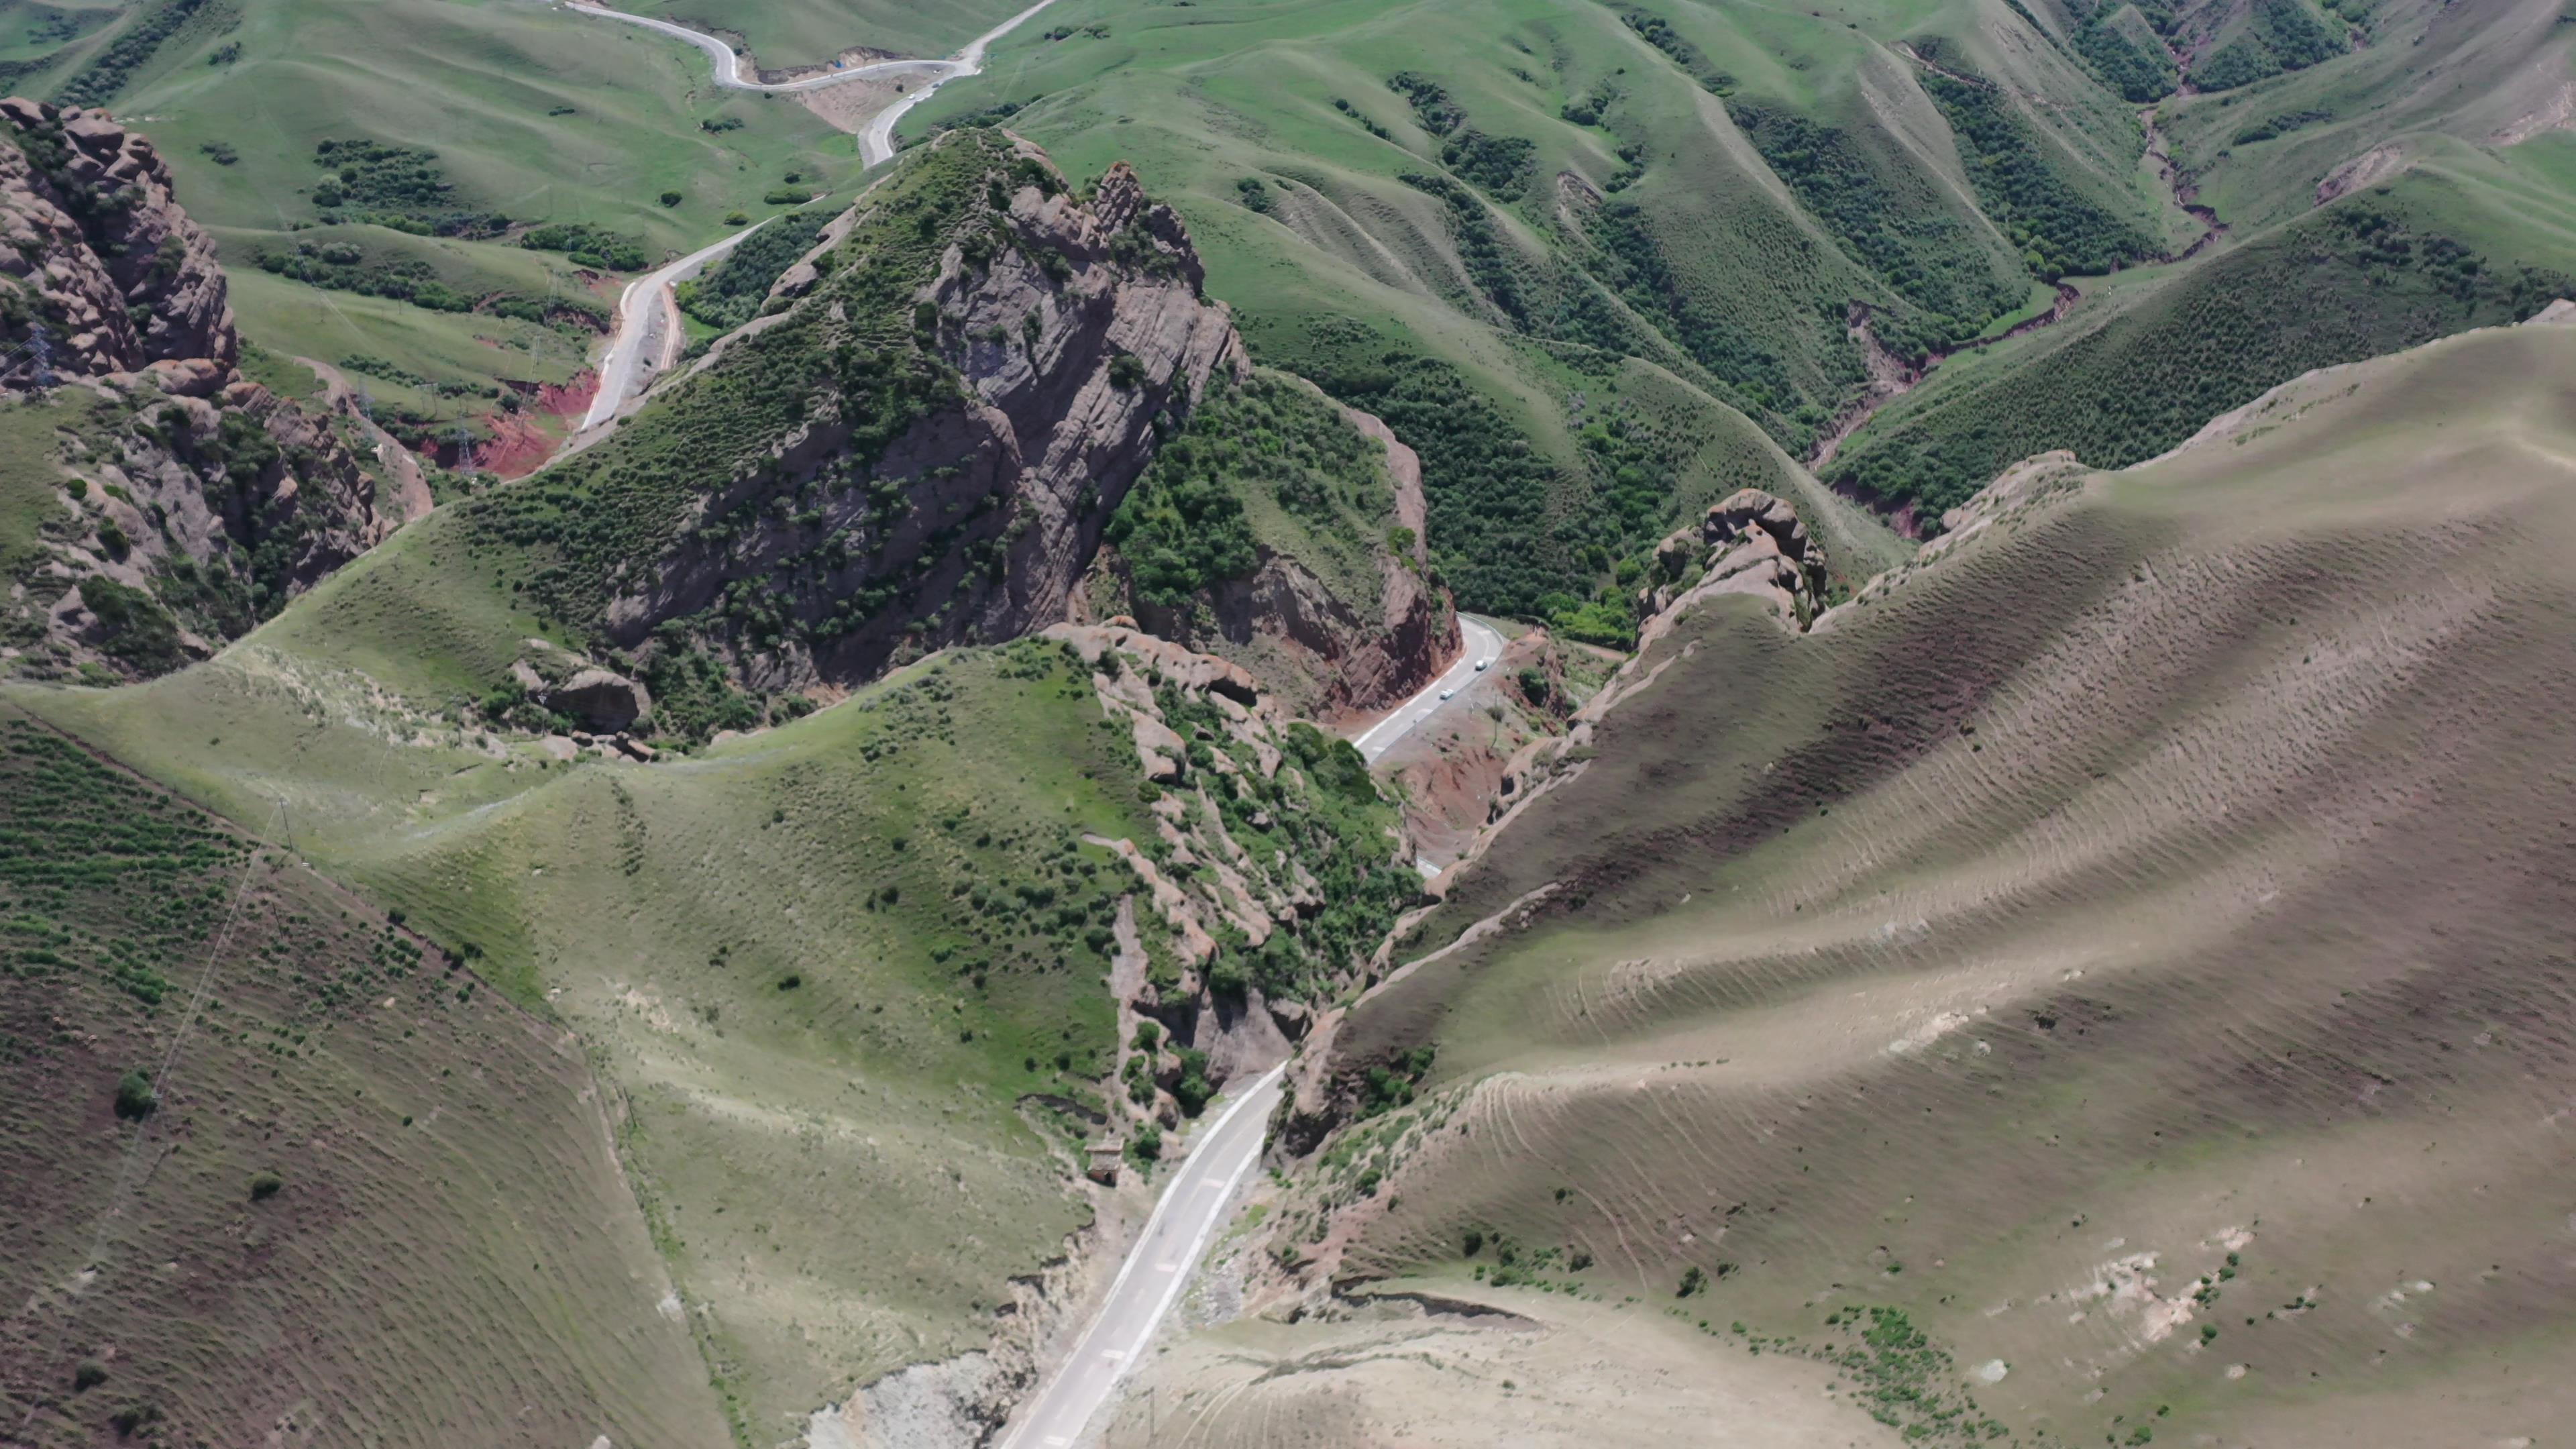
(1891, 378)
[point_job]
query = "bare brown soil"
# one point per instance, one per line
(2133, 945)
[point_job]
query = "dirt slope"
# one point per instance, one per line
(2131, 943)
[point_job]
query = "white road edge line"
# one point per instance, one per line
(1082, 1348)
(1470, 631)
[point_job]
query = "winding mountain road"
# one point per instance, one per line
(1156, 1271)
(621, 366)
(1483, 643)
(729, 65)
(876, 142)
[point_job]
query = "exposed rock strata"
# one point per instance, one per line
(192, 503)
(1202, 882)
(1079, 341)
(1063, 375)
(100, 253)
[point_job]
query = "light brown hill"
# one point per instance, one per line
(2134, 944)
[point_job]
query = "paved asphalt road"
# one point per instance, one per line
(727, 63)
(1482, 643)
(621, 367)
(1157, 1268)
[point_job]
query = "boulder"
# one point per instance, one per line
(604, 700)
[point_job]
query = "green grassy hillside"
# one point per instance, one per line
(765, 949)
(506, 118)
(273, 1169)
(2141, 364)
(2112, 947)
(1462, 220)
(785, 33)
(846, 975)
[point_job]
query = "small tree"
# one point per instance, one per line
(1693, 1281)
(265, 1185)
(670, 198)
(1226, 978)
(135, 1099)
(1192, 1090)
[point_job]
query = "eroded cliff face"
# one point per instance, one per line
(1326, 651)
(101, 257)
(1063, 337)
(1275, 867)
(184, 503)
(922, 440)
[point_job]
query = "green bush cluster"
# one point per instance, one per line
(694, 695)
(1388, 1085)
(2141, 74)
(2282, 35)
(1488, 260)
(591, 246)
(399, 186)
(2059, 229)
(2281, 125)
(132, 626)
(730, 293)
(343, 267)
(1658, 32)
(1489, 490)
(1326, 814)
(1502, 165)
(1929, 256)
(1631, 261)
(98, 82)
(1183, 527)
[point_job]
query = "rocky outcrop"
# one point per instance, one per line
(603, 700)
(193, 503)
(1749, 543)
(1222, 754)
(1075, 333)
(1053, 345)
(1324, 654)
(1355, 661)
(100, 256)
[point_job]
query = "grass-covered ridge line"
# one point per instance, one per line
(2367, 276)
